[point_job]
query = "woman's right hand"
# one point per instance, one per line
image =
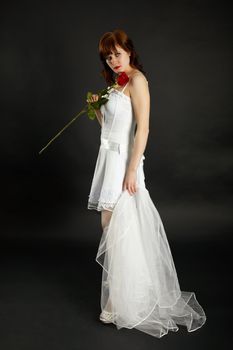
(93, 98)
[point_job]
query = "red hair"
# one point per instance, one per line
(107, 44)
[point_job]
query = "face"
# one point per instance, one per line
(118, 61)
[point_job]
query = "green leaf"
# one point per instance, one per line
(89, 94)
(91, 112)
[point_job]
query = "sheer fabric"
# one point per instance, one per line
(139, 275)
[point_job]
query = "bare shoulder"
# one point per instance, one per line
(138, 78)
(138, 87)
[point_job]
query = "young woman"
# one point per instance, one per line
(140, 288)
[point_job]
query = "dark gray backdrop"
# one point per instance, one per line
(49, 60)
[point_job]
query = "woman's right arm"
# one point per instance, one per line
(99, 116)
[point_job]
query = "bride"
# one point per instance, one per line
(140, 288)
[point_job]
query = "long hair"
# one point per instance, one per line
(107, 44)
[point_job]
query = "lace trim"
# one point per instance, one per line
(101, 205)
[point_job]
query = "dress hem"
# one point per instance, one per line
(99, 206)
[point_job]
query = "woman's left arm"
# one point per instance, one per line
(140, 98)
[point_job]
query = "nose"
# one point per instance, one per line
(114, 63)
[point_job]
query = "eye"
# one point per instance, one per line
(108, 58)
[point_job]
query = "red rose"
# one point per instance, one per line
(122, 79)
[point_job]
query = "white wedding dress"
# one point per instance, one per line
(138, 276)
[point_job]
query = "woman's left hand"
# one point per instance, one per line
(129, 182)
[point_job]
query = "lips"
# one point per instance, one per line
(116, 67)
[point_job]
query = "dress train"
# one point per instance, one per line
(139, 275)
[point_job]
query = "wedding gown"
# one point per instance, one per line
(139, 275)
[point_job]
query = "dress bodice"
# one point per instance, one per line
(118, 119)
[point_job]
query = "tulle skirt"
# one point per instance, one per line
(139, 277)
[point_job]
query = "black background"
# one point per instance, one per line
(49, 60)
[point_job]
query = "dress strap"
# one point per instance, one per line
(124, 87)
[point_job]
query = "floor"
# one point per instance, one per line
(50, 296)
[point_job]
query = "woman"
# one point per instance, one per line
(140, 288)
